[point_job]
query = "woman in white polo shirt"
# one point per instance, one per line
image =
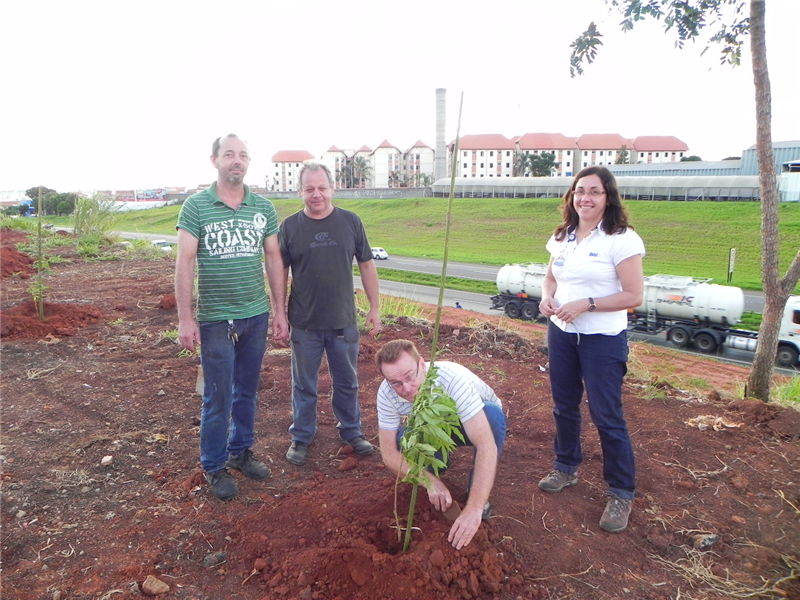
(594, 276)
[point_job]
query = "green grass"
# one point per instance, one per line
(750, 320)
(451, 283)
(681, 238)
(389, 307)
(787, 393)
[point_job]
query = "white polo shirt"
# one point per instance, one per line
(589, 270)
(467, 389)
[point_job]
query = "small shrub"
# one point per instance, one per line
(96, 218)
(429, 432)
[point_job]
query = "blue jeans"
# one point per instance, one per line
(599, 362)
(497, 422)
(341, 348)
(231, 373)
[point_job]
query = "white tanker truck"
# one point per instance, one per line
(692, 311)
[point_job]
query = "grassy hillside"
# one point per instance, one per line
(681, 238)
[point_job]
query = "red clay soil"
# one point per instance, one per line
(102, 493)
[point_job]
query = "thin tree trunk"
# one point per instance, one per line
(758, 384)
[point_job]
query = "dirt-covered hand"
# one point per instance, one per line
(464, 528)
(439, 495)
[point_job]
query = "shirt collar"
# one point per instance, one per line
(248, 195)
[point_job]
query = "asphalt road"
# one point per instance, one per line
(480, 303)
(753, 301)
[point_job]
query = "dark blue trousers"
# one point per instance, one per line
(596, 363)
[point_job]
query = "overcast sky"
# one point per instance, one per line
(119, 94)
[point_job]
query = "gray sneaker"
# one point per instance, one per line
(615, 516)
(249, 466)
(556, 480)
(298, 453)
(222, 484)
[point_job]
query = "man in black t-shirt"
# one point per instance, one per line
(319, 244)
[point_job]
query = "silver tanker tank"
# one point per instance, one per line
(665, 296)
(687, 298)
(523, 279)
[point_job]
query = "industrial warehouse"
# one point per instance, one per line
(728, 180)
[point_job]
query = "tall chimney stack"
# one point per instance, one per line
(440, 159)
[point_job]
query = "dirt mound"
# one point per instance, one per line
(22, 320)
(12, 261)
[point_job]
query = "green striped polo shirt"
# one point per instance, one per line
(230, 271)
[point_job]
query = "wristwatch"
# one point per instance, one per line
(592, 306)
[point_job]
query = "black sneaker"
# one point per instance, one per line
(249, 466)
(222, 484)
(298, 453)
(361, 446)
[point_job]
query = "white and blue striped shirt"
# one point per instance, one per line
(467, 389)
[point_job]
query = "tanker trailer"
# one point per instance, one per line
(690, 310)
(693, 311)
(520, 288)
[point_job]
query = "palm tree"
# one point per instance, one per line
(362, 171)
(522, 164)
(344, 175)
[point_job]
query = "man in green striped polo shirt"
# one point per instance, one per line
(226, 230)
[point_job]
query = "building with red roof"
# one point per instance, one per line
(418, 164)
(490, 155)
(564, 148)
(484, 155)
(285, 167)
(387, 160)
(600, 149)
(658, 149)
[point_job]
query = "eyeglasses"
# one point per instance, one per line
(591, 193)
(398, 385)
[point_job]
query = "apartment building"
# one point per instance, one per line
(564, 148)
(484, 155)
(386, 164)
(285, 167)
(599, 149)
(350, 168)
(657, 149)
(479, 156)
(336, 159)
(418, 164)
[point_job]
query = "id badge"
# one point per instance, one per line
(565, 249)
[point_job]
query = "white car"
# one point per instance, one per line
(379, 254)
(163, 244)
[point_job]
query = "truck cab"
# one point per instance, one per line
(789, 334)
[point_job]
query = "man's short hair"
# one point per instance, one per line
(218, 142)
(312, 165)
(391, 352)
